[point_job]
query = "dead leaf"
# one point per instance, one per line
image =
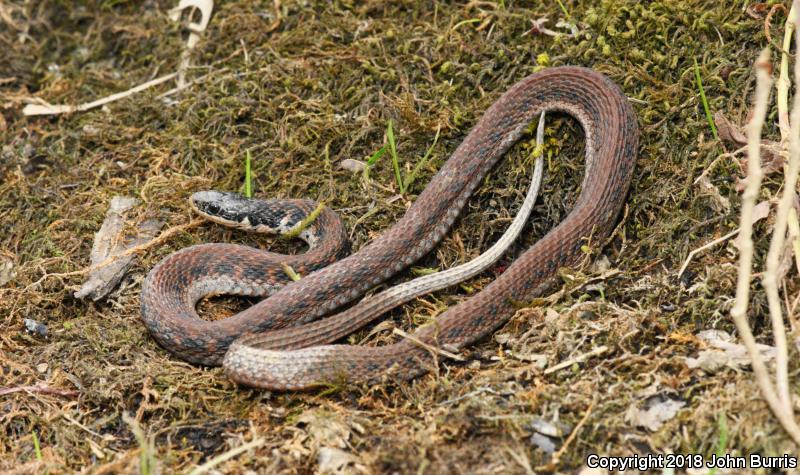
(7, 273)
(657, 410)
(726, 354)
(326, 429)
(771, 157)
(728, 131)
(760, 211)
(757, 10)
(538, 28)
(771, 152)
(714, 337)
(504, 338)
(719, 202)
(335, 461)
(547, 428)
(544, 442)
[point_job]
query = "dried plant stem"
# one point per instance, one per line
(770, 280)
(579, 359)
(782, 84)
(39, 388)
(777, 404)
(794, 237)
(431, 348)
(224, 457)
(49, 109)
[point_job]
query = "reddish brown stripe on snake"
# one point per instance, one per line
(170, 289)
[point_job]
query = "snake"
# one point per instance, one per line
(333, 279)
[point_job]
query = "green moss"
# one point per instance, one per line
(300, 99)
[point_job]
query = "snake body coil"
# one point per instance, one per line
(172, 288)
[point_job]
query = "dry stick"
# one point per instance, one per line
(705, 247)
(88, 430)
(205, 7)
(739, 310)
(194, 36)
(49, 109)
(578, 359)
(39, 389)
(707, 170)
(770, 279)
(782, 84)
(426, 346)
(227, 456)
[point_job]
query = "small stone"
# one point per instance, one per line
(352, 165)
(35, 328)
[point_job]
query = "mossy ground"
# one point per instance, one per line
(321, 88)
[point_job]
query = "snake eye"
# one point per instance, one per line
(212, 208)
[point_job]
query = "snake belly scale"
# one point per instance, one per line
(172, 288)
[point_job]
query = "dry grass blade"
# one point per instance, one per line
(208, 466)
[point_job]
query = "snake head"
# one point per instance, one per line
(221, 206)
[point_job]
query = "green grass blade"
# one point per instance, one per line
(372, 160)
(395, 160)
(704, 100)
(564, 9)
(722, 439)
(290, 272)
(375, 156)
(248, 190)
(36, 449)
(413, 176)
(465, 22)
(722, 442)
